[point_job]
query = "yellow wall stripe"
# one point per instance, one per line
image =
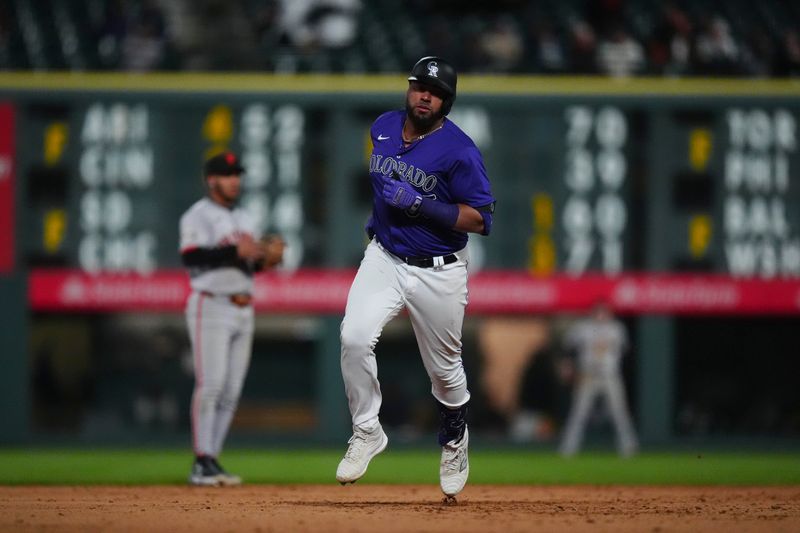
(390, 84)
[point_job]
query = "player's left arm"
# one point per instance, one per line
(460, 217)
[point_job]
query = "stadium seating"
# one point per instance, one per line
(78, 35)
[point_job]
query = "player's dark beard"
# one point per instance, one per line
(422, 124)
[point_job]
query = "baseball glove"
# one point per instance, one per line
(273, 246)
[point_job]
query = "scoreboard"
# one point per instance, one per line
(735, 191)
(597, 181)
(111, 178)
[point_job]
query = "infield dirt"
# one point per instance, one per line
(399, 508)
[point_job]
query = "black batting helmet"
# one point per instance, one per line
(438, 72)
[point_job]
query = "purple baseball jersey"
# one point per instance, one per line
(444, 165)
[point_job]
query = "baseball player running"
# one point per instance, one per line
(219, 245)
(599, 341)
(430, 189)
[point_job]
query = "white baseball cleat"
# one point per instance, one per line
(363, 447)
(454, 468)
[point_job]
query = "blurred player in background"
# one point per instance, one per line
(430, 189)
(220, 245)
(599, 342)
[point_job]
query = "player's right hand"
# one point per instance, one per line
(249, 249)
(401, 194)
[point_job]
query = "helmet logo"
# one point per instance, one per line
(433, 69)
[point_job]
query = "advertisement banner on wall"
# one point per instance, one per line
(498, 292)
(7, 226)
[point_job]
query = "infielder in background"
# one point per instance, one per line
(220, 245)
(599, 342)
(429, 190)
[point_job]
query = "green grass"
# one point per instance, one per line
(134, 467)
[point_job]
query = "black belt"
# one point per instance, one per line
(428, 262)
(423, 262)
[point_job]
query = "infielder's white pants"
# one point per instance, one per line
(435, 299)
(222, 339)
(589, 388)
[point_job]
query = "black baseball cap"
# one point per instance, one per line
(223, 164)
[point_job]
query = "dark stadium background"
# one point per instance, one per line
(697, 88)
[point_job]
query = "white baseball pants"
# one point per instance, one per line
(222, 338)
(590, 387)
(435, 299)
